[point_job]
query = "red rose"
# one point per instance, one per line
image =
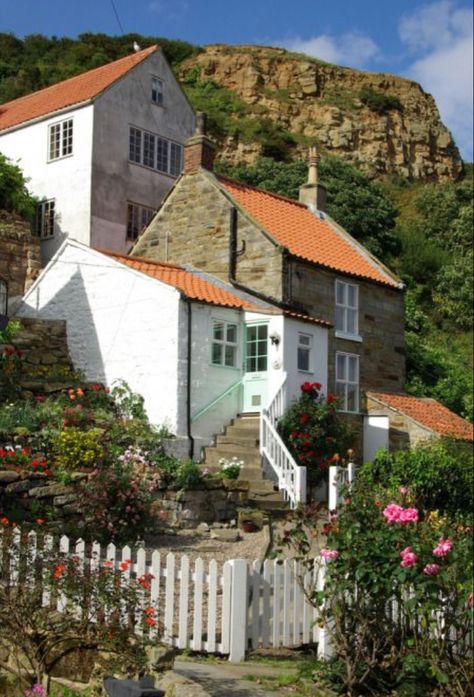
(331, 398)
(304, 418)
(306, 387)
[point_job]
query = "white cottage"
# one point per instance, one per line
(100, 150)
(198, 350)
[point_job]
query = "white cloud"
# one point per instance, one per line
(443, 36)
(352, 49)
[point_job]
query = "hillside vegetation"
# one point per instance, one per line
(422, 230)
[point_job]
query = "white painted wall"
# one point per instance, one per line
(67, 180)
(210, 381)
(376, 435)
(115, 180)
(121, 324)
(319, 356)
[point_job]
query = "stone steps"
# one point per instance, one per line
(241, 440)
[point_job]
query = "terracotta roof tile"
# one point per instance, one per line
(192, 285)
(429, 413)
(68, 92)
(304, 234)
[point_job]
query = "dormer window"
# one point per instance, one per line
(347, 310)
(60, 139)
(157, 91)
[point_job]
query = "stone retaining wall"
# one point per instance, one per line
(20, 260)
(34, 496)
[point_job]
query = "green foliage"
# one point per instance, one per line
(379, 102)
(74, 449)
(440, 475)
(129, 404)
(188, 475)
(14, 195)
(360, 206)
(389, 578)
(314, 432)
(37, 61)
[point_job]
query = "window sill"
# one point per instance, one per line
(227, 367)
(348, 337)
(50, 161)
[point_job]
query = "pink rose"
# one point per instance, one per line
(329, 553)
(403, 490)
(392, 512)
(443, 548)
(431, 569)
(408, 515)
(409, 557)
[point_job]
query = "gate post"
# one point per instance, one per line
(238, 610)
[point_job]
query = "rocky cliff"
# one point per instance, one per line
(381, 123)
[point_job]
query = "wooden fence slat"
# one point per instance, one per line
(64, 546)
(125, 568)
(198, 596)
(155, 591)
(315, 612)
(226, 607)
(169, 598)
(267, 572)
(307, 609)
(212, 607)
(32, 542)
(183, 604)
(297, 605)
(255, 590)
(275, 611)
(141, 574)
(287, 579)
(48, 543)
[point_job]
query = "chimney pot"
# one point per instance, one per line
(313, 194)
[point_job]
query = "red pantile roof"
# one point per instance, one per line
(429, 413)
(68, 92)
(304, 234)
(192, 285)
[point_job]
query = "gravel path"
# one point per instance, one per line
(222, 680)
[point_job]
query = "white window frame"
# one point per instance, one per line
(344, 309)
(138, 218)
(224, 343)
(157, 90)
(306, 348)
(167, 155)
(343, 383)
(45, 219)
(60, 139)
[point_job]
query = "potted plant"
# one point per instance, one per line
(250, 519)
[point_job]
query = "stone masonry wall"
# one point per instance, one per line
(192, 227)
(381, 326)
(20, 261)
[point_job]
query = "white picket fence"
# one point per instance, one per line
(339, 479)
(204, 607)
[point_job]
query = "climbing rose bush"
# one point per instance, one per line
(314, 432)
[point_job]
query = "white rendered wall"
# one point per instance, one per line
(318, 360)
(120, 325)
(67, 179)
(209, 381)
(115, 179)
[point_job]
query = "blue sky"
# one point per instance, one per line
(430, 42)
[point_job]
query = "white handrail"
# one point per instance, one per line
(291, 477)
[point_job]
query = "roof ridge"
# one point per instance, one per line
(146, 52)
(262, 191)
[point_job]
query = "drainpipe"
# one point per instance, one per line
(188, 382)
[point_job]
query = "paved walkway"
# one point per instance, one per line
(225, 680)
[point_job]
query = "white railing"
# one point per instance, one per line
(201, 606)
(291, 477)
(339, 478)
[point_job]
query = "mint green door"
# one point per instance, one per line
(255, 366)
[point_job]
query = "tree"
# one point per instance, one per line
(14, 196)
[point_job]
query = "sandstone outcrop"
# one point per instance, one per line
(319, 102)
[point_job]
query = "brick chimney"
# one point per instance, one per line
(199, 150)
(313, 194)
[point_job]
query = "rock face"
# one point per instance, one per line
(318, 102)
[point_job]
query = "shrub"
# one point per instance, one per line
(379, 102)
(188, 475)
(74, 449)
(397, 597)
(313, 431)
(439, 474)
